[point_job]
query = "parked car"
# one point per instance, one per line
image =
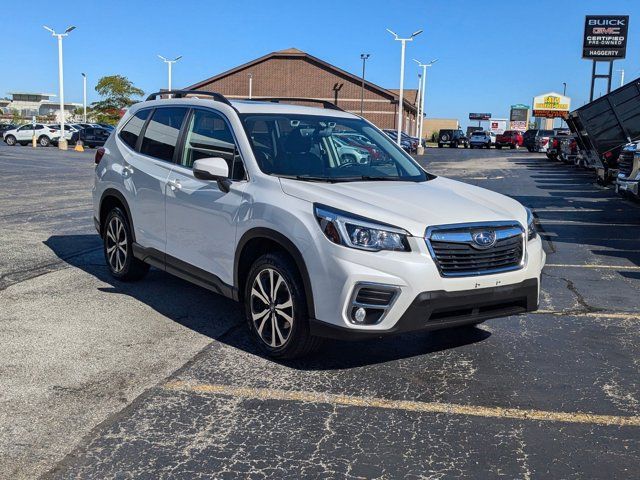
(453, 138)
(92, 137)
(509, 138)
(4, 127)
(482, 139)
(413, 142)
(249, 200)
(350, 153)
(556, 144)
(404, 144)
(628, 178)
(107, 126)
(23, 135)
(569, 150)
(70, 132)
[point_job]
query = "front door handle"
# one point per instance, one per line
(174, 185)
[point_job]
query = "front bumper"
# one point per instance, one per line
(441, 309)
(627, 185)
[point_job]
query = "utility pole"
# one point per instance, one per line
(170, 64)
(424, 67)
(62, 142)
(84, 98)
(621, 76)
(403, 41)
(364, 57)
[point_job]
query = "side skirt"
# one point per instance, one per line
(184, 270)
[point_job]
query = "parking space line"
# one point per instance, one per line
(618, 315)
(404, 405)
(594, 265)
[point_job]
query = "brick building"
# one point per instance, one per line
(293, 73)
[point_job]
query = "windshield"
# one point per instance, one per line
(323, 148)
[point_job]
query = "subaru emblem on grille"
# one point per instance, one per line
(484, 239)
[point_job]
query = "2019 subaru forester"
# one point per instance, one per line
(253, 200)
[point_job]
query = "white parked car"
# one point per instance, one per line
(481, 139)
(23, 135)
(252, 201)
(69, 130)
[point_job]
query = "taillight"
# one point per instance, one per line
(608, 155)
(555, 143)
(544, 141)
(99, 155)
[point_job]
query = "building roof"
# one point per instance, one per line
(39, 94)
(409, 94)
(295, 53)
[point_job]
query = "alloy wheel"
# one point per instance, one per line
(271, 307)
(116, 244)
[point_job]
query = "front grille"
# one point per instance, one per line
(457, 254)
(625, 162)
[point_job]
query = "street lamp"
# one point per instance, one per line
(403, 41)
(564, 88)
(424, 67)
(364, 57)
(62, 142)
(170, 63)
(84, 98)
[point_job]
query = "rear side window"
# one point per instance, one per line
(161, 136)
(131, 131)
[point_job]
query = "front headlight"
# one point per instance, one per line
(358, 232)
(531, 226)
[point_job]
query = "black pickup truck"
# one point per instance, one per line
(604, 126)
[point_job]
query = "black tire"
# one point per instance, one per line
(298, 342)
(44, 141)
(440, 145)
(530, 149)
(499, 147)
(10, 140)
(466, 145)
(120, 260)
(487, 146)
(453, 145)
(512, 146)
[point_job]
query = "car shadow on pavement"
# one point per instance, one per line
(222, 319)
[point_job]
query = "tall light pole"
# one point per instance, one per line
(364, 57)
(251, 85)
(403, 41)
(84, 98)
(424, 67)
(621, 76)
(170, 64)
(419, 101)
(62, 142)
(564, 88)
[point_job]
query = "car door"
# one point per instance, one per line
(24, 133)
(202, 217)
(146, 169)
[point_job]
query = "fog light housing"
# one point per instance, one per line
(360, 315)
(370, 302)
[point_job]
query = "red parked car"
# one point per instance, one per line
(510, 138)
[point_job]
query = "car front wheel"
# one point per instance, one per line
(44, 141)
(10, 140)
(276, 308)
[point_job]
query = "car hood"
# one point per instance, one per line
(410, 205)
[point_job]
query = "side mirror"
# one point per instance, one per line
(214, 168)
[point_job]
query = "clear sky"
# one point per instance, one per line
(491, 54)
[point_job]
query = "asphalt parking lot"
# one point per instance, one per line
(100, 379)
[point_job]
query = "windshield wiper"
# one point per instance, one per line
(310, 178)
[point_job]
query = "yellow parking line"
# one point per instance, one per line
(622, 316)
(594, 265)
(404, 405)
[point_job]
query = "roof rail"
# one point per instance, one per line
(183, 93)
(325, 103)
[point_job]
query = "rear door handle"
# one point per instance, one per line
(174, 185)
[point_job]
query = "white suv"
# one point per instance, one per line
(23, 135)
(252, 200)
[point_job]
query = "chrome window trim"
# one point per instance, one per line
(516, 226)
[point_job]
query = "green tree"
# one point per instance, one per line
(117, 92)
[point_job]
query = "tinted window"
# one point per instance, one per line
(208, 135)
(161, 135)
(131, 131)
(26, 127)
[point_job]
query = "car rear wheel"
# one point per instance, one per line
(10, 140)
(44, 141)
(276, 308)
(499, 147)
(440, 145)
(118, 250)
